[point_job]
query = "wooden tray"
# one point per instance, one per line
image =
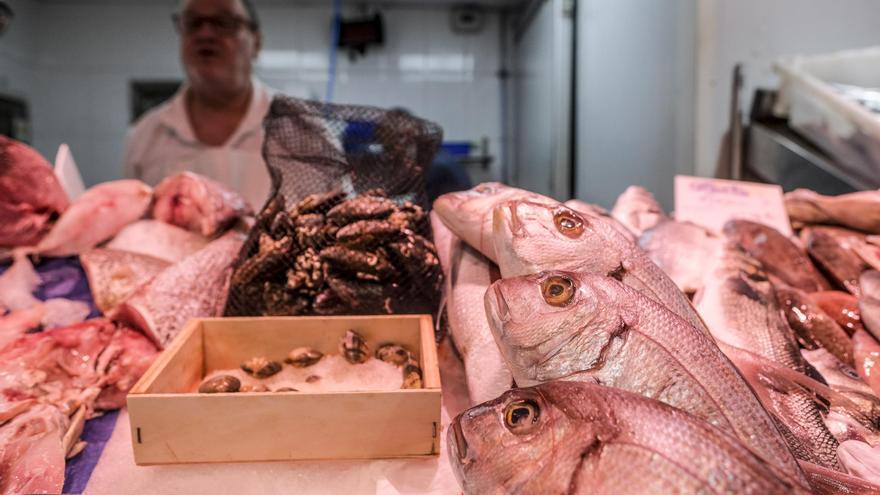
(171, 424)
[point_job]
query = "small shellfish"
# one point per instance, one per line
(261, 367)
(254, 388)
(220, 384)
(312, 378)
(286, 389)
(303, 357)
(353, 348)
(412, 375)
(393, 353)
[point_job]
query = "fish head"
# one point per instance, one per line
(525, 441)
(469, 213)
(552, 324)
(531, 236)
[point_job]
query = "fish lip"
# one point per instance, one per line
(459, 442)
(498, 306)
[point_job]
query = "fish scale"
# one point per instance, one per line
(591, 439)
(740, 308)
(658, 355)
(528, 241)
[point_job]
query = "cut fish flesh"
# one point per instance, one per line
(195, 287)
(198, 204)
(98, 215)
(114, 275)
(30, 195)
(158, 240)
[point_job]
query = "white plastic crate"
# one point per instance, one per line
(844, 128)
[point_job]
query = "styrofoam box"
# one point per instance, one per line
(842, 127)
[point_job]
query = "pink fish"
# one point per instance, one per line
(198, 204)
(99, 214)
(867, 356)
(30, 195)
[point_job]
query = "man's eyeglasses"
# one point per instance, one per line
(224, 25)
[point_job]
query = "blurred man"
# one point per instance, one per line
(213, 125)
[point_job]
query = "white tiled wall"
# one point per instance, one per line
(82, 69)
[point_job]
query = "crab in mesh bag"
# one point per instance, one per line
(345, 229)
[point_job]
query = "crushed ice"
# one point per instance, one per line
(334, 372)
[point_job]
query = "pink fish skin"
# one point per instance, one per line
(194, 287)
(198, 204)
(468, 214)
(99, 214)
(467, 275)
(860, 459)
(867, 356)
(583, 438)
(842, 306)
(30, 195)
(638, 210)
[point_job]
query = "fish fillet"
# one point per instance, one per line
(99, 214)
(159, 240)
(114, 275)
(198, 204)
(194, 287)
(30, 194)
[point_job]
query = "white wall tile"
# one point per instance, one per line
(85, 68)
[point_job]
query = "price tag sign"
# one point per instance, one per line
(712, 202)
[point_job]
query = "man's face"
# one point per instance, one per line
(217, 44)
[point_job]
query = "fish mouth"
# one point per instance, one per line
(504, 219)
(498, 308)
(459, 442)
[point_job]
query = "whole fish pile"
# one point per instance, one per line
(633, 388)
(330, 254)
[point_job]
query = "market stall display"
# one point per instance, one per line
(661, 350)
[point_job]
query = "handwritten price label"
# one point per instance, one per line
(712, 202)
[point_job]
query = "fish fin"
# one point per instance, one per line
(825, 481)
(760, 371)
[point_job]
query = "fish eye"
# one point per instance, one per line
(569, 223)
(521, 416)
(484, 189)
(557, 290)
(846, 370)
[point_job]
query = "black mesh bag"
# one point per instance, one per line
(345, 230)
